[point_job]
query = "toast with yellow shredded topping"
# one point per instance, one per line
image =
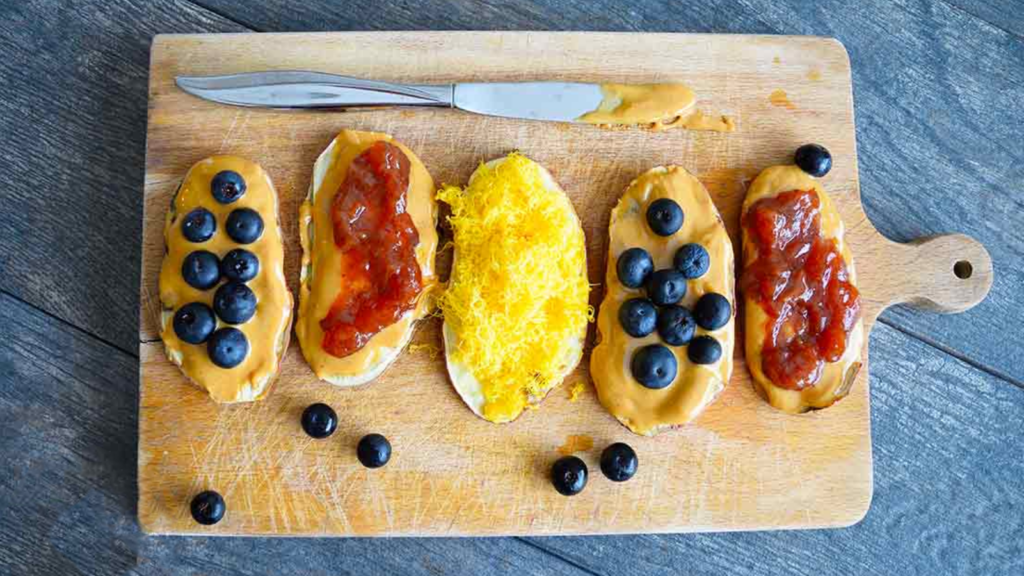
(516, 305)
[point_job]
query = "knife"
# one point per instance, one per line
(555, 101)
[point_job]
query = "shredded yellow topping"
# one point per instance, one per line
(517, 296)
(432, 350)
(576, 391)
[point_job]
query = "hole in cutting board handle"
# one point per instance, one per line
(963, 269)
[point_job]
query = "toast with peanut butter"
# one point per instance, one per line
(665, 327)
(804, 333)
(368, 233)
(226, 309)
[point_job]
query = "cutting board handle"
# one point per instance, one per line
(948, 273)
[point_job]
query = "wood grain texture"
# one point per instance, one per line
(537, 15)
(67, 433)
(1006, 15)
(938, 93)
(948, 495)
(73, 131)
(455, 474)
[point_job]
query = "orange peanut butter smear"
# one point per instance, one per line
(644, 410)
(380, 278)
(796, 366)
(267, 331)
(655, 106)
(323, 265)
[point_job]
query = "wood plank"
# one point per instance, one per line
(949, 494)
(67, 420)
(1003, 14)
(606, 15)
(737, 438)
(938, 95)
(73, 131)
(67, 434)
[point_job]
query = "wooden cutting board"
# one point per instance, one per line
(742, 465)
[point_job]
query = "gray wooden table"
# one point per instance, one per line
(939, 95)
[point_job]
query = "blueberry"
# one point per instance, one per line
(319, 420)
(193, 323)
(676, 325)
(201, 270)
(227, 347)
(208, 507)
(227, 186)
(244, 225)
(569, 475)
(239, 265)
(692, 260)
(712, 311)
(704, 350)
(374, 451)
(618, 462)
(814, 159)
(654, 366)
(634, 266)
(664, 216)
(234, 303)
(198, 225)
(666, 286)
(638, 317)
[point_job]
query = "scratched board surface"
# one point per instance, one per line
(741, 465)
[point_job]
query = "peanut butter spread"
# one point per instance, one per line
(321, 263)
(836, 377)
(644, 410)
(267, 331)
(657, 106)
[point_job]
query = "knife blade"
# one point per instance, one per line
(554, 101)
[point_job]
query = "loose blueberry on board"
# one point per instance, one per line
(227, 347)
(676, 325)
(201, 270)
(814, 159)
(692, 260)
(664, 216)
(704, 350)
(319, 420)
(619, 462)
(638, 317)
(244, 225)
(373, 451)
(208, 507)
(569, 475)
(654, 366)
(234, 303)
(712, 311)
(239, 265)
(666, 286)
(198, 225)
(634, 266)
(193, 323)
(227, 186)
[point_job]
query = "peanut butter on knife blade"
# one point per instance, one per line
(657, 106)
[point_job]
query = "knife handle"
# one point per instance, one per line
(289, 89)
